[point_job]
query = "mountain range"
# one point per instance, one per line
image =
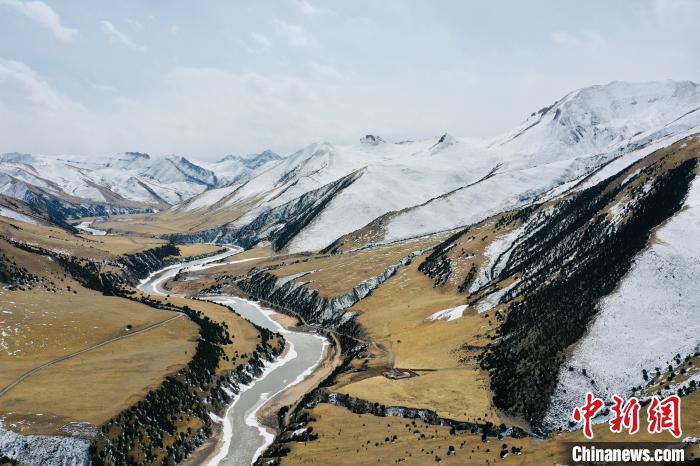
(371, 192)
(475, 291)
(379, 192)
(125, 183)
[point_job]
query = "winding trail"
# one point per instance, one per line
(244, 438)
(31, 372)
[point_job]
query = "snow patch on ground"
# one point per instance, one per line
(651, 317)
(85, 226)
(453, 313)
(9, 213)
(43, 449)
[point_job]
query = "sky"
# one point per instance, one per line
(210, 78)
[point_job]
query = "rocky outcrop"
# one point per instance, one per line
(47, 450)
(141, 264)
(360, 406)
(59, 211)
(299, 431)
(291, 292)
(108, 275)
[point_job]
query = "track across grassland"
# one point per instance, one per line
(33, 371)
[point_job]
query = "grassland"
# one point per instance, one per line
(70, 354)
(333, 275)
(346, 438)
(393, 317)
(169, 221)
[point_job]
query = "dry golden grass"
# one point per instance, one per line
(343, 440)
(43, 326)
(95, 386)
(95, 247)
(190, 250)
(333, 275)
(394, 317)
(135, 224)
(57, 239)
(39, 326)
(349, 439)
(170, 221)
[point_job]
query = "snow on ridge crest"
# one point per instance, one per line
(372, 140)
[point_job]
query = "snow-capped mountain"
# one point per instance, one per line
(236, 168)
(375, 192)
(598, 119)
(127, 182)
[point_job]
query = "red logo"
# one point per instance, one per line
(665, 415)
(626, 416)
(662, 414)
(588, 412)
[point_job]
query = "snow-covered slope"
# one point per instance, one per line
(602, 118)
(415, 188)
(572, 138)
(649, 319)
(238, 168)
(129, 179)
(390, 177)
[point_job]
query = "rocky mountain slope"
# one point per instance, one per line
(480, 286)
(415, 188)
(130, 182)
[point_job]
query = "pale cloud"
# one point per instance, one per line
(117, 37)
(676, 17)
(588, 39)
(325, 69)
(20, 85)
(175, 29)
(135, 25)
(293, 33)
(30, 107)
(262, 42)
(102, 87)
(44, 16)
(306, 8)
(201, 111)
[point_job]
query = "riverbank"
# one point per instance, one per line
(331, 358)
(248, 425)
(215, 450)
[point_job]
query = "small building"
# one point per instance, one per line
(396, 373)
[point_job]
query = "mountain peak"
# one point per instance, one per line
(258, 159)
(372, 140)
(138, 155)
(17, 157)
(593, 118)
(445, 140)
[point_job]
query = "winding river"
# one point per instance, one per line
(244, 438)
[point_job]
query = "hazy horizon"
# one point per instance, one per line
(208, 79)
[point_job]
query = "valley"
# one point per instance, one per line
(443, 300)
